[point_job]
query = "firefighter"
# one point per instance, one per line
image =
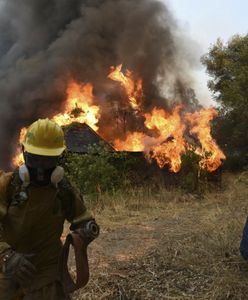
(35, 201)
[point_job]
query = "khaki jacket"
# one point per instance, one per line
(36, 226)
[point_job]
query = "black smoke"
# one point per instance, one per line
(45, 43)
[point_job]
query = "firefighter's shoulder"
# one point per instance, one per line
(5, 181)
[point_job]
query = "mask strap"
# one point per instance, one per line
(57, 176)
(24, 176)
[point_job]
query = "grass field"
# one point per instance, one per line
(161, 244)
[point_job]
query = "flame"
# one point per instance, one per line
(170, 144)
(134, 91)
(133, 142)
(162, 137)
(22, 135)
(79, 107)
(212, 156)
(18, 158)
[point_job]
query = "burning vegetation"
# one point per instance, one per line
(163, 135)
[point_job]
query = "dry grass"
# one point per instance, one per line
(160, 244)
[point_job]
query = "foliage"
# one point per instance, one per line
(100, 170)
(97, 170)
(190, 171)
(227, 64)
(192, 177)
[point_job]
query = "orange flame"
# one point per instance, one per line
(133, 142)
(170, 144)
(163, 136)
(134, 91)
(212, 156)
(18, 158)
(79, 107)
(22, 135)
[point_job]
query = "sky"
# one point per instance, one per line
(205, 21)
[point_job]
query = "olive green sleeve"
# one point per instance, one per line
(5, 179)
(79, 212)
(4, 182)
(3, 245)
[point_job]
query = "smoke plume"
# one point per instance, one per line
(46, 43)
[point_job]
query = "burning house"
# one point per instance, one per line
(161, 134)
(79, 137)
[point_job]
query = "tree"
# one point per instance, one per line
(227, 64)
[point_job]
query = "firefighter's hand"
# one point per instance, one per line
(89, 230)
(18, 267)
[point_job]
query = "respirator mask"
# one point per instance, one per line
(40, 167)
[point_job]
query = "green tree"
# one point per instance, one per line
(227, 65)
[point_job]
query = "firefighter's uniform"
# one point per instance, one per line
(34, 226)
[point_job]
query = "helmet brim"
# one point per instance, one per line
(43, 151)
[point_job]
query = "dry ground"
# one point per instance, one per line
(160, 244)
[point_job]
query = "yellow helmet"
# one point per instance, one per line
(44, 137)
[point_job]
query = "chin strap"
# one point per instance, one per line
(56, 176)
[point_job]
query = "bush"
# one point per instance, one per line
(98, 170)
(189, 171)
(192, 177)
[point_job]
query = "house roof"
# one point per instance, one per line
(79, 136)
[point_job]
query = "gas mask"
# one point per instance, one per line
(40, 167)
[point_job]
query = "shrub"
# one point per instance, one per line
(192, 177)
(98, 170)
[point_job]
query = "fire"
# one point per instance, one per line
(212, 156)
(167, 144)
(162, 136)
(134, 91)
(79, 107)
(18, 158)
(22, 135)
(133, 142)
(170, 144)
